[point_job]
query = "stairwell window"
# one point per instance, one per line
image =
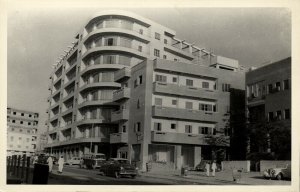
(188, 128)
(157, 36)
(161, 78)
(189, 82)
(156, 53)
(173, 126)
(157, 126)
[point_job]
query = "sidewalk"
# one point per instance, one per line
(221, 178)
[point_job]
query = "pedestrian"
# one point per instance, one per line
(60, 164)
(214, 167)
(50, 163)
(35, 159)
(207, 167)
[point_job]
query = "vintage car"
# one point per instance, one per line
(118, 167)
(278, 173)
(73, 161)
(92, 161)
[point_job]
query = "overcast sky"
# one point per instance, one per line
(36, 38)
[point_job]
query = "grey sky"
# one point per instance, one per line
(36, 38)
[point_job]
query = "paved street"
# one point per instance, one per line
(73, 175)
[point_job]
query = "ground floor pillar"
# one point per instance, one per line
(96, 148)
(197, 155)
(178, 158)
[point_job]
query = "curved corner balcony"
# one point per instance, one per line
(88, 103)
(118, 31)
(79, 140)
(117, 49)
(99, 67)
(91, 86)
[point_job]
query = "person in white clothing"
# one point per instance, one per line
(207, 167)
(61, 164)
(50, 163)
(214, 167)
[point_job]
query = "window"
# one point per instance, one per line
(173, 126)
(28, 131)
(225, 87)
(135, 83)
(164, 57)
(205, 107)
(22, 114)
(158, 101)
(205, 84)
(286, 84)
(27, 140)
(109, 42)
(287, 114)
(13, 121)
(140, 79)
(189, 82)
(30, 115)
(278, 86)
(161, 78)
(214, 108)
(157, 126)
(174, 102)
(141, 31)
(188, 128)
(204, 130)
(157, 36)
(140, 48)
(21, 130)
(165, 41)
(21, 122)
(278, 115)
(124, 129)
(14, 113)
(175, 59)
(29, 123)
(270, 88)
(156, 53)
(109, 59)
(138, 104)
(270, 115)
(174, 79)
(138, 127)
(188, 105)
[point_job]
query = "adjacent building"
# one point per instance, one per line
(269, 105)
(128, 87)
(22, 127)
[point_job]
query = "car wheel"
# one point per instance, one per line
(279, 176)
(117, 175)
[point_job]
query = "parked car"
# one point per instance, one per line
(278, 173)
(92, 161)
(73, 161)
(118, 167)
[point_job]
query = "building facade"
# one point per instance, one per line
(129, 88)
(22, 127)
(269, 105)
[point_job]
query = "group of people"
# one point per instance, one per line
(50, 163)
(212, 166)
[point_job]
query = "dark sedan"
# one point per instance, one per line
(118, 167)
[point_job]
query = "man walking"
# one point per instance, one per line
(61, 164)
(50, 163)
(207, 167)
(214, 167)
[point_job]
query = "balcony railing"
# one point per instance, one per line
(123, 93)
(121, 115)
(119, 138)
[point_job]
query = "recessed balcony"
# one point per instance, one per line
(122, 74)
(184, 114)
(186, 138)
(118, 138)
(123, 93)
(121, 115)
